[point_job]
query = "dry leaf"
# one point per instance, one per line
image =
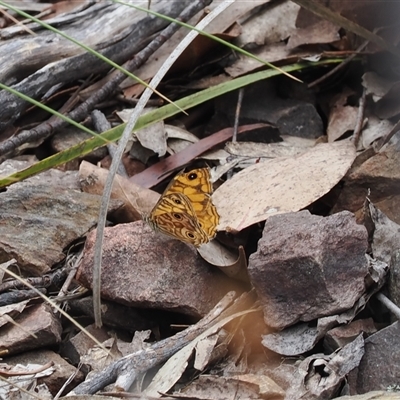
(376, 85)
(386, 235)
(289, 147)
(320, 376)
(204, 350)
(281, 185)
(11, 310)
(224, 388)
(342, 117)
(375, 129)
(178, 138)
(151, 137)
(232, 265)
(267, 387)
(137, 200)
(375, 395)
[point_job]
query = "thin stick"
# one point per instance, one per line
(389, 305)
(101, 124)
(16, 22)
(237, 114)
(339, 66)
(385, 139)
(360, 119)
(70, 277)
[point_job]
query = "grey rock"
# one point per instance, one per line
(380, 367)
(38, 320)
(145, 269)
(38, 222)
(308, 266)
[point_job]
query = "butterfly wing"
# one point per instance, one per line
(173, 215)
(196, 186)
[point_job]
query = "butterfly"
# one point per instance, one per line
(185, 210)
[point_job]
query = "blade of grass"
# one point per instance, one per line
(151, 117)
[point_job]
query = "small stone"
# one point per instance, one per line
(38, 320)
(62, 370)
(79, 345)
(381, 174)
(295, 117)
(340, 336)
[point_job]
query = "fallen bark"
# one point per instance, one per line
(56, 61)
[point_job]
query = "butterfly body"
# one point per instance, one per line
(185, 209)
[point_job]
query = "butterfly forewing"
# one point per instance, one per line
(193, 182)
(173, 202)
